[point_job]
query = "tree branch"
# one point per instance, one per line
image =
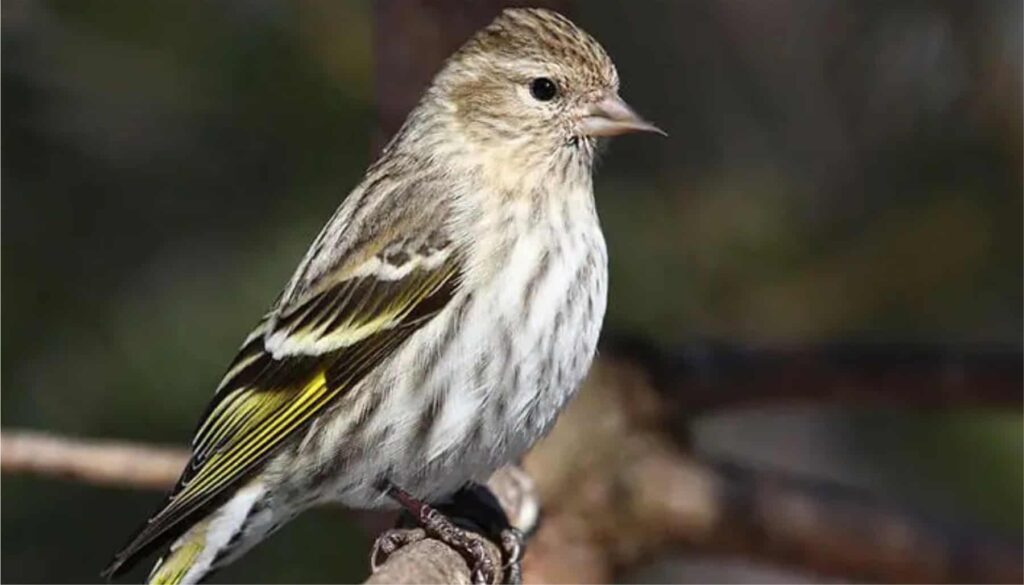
(426, 561)
(664, 500)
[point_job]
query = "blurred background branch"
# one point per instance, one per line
(690, 382)
(94, 461)
(702, 377)
(629, 492)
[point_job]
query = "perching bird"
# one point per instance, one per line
(439, 322)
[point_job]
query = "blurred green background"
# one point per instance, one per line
(836, 170)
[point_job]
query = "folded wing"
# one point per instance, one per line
(305, 354)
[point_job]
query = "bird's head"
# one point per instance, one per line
(534, 86)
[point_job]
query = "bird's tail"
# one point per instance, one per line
(215, 540)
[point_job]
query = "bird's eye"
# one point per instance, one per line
(543, 89)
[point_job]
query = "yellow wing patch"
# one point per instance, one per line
(251, 423)
(357, 309)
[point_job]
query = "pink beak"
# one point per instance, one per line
(612, 116)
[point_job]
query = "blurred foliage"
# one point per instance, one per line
(835, 170)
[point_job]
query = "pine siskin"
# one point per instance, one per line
(439, 322)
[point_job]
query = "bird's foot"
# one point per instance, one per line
(460, 532)
(468, 544)
(477, 508)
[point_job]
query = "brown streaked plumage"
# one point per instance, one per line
(441, 319)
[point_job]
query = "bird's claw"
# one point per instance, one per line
(468, 544)
(392, 540)
(512, 548)
(482, 569)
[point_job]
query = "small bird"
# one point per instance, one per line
(439, 322)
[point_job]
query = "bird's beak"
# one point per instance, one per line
(612, 116)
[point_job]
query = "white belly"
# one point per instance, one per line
(516, 365)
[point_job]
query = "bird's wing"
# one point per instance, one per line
(328, 331)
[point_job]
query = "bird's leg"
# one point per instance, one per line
(476, 507)
(435, 524)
